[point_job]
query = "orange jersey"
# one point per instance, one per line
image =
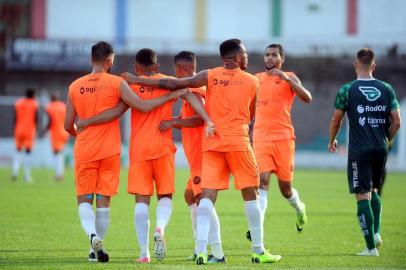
(272, 116)
(25, 109)
(192, 137)
(91, 95)
(228, 98)
(147, 141)
(56, 111)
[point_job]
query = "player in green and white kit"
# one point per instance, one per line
(374, 117)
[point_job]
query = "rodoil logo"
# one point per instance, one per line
(370, 92)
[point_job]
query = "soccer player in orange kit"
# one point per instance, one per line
(56, 111)
(25, 126)
(274, 138)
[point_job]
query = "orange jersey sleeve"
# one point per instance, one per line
(147, 141)
(274, 102)
(25, 109)
(228, 99)
(192, 137)
(56, 111)
(91, 95)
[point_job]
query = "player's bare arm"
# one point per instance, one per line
(335, 125)
(134, 101)
(253, 104)
(190, 122)
(103, 117)
(197, 106)
(70, 118)
(303, 94)
(200, 79)
(395, 123)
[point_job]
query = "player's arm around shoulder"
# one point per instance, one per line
(200, 79)
(70, 117)
(303, 94)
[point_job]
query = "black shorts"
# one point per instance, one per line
(364, 175)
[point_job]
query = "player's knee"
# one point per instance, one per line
(188, 195)
(102, 200)
(286, 190)
(28, 150)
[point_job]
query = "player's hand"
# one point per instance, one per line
(129, 77)
(280, 73)
(210, 129)
(164, 125)
(178, 93)
(80, 125)
(332, 147)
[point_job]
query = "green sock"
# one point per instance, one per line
(366, 221)
(377, 210)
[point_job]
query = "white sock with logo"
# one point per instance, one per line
(263, 201)
(193, 216)
(254, 217)
(295, 201)
(141, 224)
(215, 236)
(163, 213)
(87, 218)
(204, 213)
(102, 221)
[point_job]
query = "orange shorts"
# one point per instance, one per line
(25, 141)
(217, 167)
(194, 183)
(277, 157)
(58, 144)
(143, 174)
(100, 176)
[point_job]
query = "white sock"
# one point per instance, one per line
(27, 166)
(16, 163)
(294, 200)
(193, 216)
(87, 218)
(204, 213)
(59, 164)
(102, 221)
(263, 201)
(215, 236)
(141, 224)
(254, 216)
(163, 213)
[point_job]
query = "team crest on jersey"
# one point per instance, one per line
(370, 92)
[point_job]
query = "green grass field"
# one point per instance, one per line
(40, 228)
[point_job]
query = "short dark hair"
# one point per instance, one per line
(146, 57)
(101, 51)
(230, 47)
(279, 47)
(186, 56)
(366, 56)
(30, 92)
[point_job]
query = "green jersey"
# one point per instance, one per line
(368, 104)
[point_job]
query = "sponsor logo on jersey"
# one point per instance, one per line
(378, 108)
(90, 90)
(370, 92)
(376, 122)
(361, 121)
